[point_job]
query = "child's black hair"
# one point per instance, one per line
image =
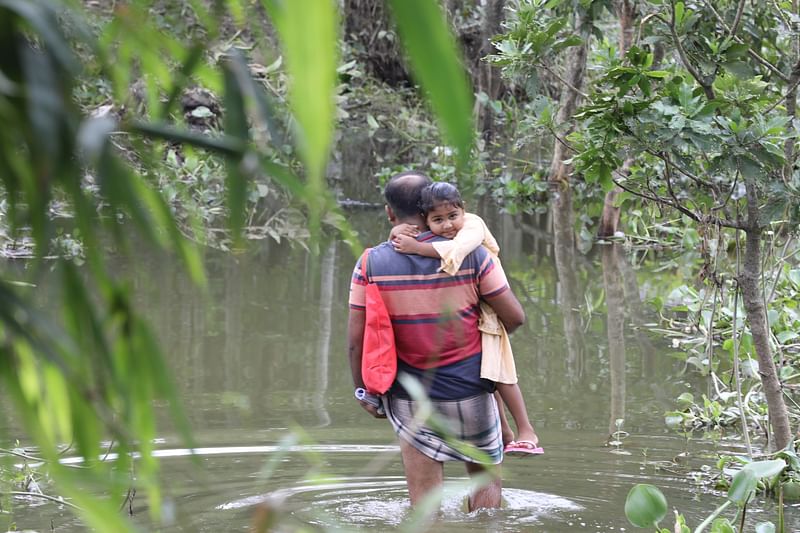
(439, 193)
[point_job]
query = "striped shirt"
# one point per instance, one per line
(434, 315)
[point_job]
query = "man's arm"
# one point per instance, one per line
(355, 338)
(355, 341)
(508, 309)
(495, 290)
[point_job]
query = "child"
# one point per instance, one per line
(443, 209)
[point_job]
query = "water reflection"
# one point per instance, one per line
(571, 295)
(615, 328)
(323, 350)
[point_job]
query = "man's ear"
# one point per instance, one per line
(390, 214)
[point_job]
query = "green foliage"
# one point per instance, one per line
(94, 372)
(645, 506)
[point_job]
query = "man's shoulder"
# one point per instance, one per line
(384, 260)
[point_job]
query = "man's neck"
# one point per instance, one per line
(414, 221)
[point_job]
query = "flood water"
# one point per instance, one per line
(261, 367)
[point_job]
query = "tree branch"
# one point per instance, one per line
(750, 51)
(42, 496)
(730, 194)
(676, 203)
(562, 80)
(654, 197)
(664, 157)
(737, 20)
(684, 57)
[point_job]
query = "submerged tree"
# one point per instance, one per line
(711, 136)
(693, 111)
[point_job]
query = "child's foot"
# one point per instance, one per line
(527, 436)
(508, 435)
(522, 448)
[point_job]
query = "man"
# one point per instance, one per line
(435, 321)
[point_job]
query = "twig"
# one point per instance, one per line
(562, 80)
(737, 19)
(654, 197)
(676, 203)
(730, 193)
(42, 496)
(663, 156)
(684, 57)
(710, 333)
(22, 455)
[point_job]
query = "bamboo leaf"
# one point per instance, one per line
(191, 62)
(236, 126)
(41, 16)
(436, 63)
(226, 145)
(308, 32)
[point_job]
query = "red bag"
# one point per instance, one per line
(379, 355)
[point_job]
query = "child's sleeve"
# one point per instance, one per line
(466, 241)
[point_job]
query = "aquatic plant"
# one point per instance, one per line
(646, 506)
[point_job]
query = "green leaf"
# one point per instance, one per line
(236, 125)
(679, 11)
(43, 19)
(309, 36)
(434, 58)
(791, 491)
(743, 487)
(224, 145)
(722, 525)
(645, 506)
(768, 470)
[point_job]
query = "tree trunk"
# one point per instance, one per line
(753, 299)
(569, 103)
(609, 221)
(487, 77)
(563, 233)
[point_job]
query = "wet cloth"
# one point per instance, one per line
(498, 359)
(497, 362)
(458, 425)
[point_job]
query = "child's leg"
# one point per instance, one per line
(505, 427)
(512, 397)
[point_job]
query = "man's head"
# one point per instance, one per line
(402, 194)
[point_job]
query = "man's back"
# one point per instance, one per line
(434, 315)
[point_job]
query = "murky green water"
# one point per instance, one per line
(263, 358)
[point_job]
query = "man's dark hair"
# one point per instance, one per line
(403, 192)
(439, 193)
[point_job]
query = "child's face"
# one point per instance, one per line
(445, 220)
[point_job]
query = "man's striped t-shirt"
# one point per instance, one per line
(434, 315)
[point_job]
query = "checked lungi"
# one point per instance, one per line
(450, 430)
